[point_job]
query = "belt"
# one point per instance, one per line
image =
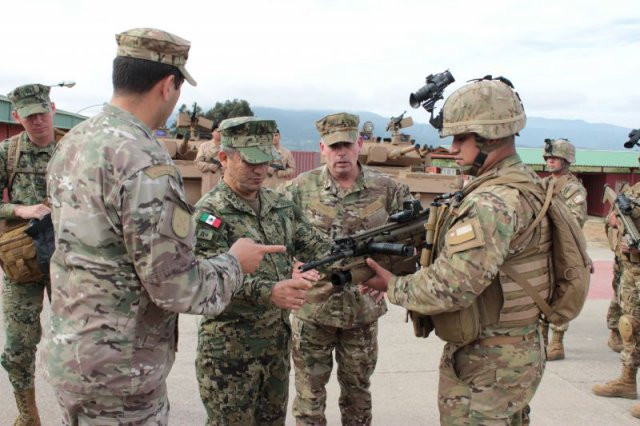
(504, 340)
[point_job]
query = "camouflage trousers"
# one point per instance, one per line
(489, 385)
(614, 312)
(356, 355)
(21, 307)
(630, 305)
(244, 391)
(146, 409)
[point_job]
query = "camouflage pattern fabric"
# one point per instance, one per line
(155, 45)
(251, 136)
(124, 262)
(22, 303)
(574, 195)
(251, 327)
(151, 409)
(30, 99)
(244, 391)
(336, 128)
(560, 148)
(356, 353)
(345, 319)
(211, 173)
(459, 274)
(489, 385)
(615, 311)
(286, 161)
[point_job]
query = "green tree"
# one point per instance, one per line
(229, 109)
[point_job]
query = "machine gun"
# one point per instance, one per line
(623, 207)
(395, 124)
(404, 232)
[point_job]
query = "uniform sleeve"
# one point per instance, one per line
(575, 196)
(399, 194)
(159, 234)
(6, 209)
(475, 246)
(290, 164)
(202, 162)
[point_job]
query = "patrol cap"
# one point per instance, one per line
(251, 136)
(157, 46)
(336, 128)
(30, 99)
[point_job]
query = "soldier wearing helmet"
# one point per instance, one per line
(559, 154)
(492, 362)
(628, 325)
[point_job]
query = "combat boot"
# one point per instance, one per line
(615, 341)
(622, 387)
(555, 350)
(28, 412)
(635, 410)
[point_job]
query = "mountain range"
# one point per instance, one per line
(298, 131)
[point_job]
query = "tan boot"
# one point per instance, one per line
(635, 410)
(615, 341)
(622, 387)
(28, 412)
(555, 350)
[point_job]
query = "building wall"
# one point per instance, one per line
(305, 161)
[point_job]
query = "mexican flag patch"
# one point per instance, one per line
(211, 220)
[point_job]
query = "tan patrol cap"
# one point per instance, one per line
(157, 46)
(336, 128)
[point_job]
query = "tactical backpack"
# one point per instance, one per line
(571, 263)
(18, 257)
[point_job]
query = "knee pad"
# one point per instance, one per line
(628, 327)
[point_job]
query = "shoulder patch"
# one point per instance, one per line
(181, 222)
(578, 199)
(211, 220)
(155, 172)
(464, 236)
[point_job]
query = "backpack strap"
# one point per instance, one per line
(13, 156)
(524, 284)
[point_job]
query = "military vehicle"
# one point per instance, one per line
(191, 131)
(406, 161)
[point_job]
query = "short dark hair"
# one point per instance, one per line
(138, 76)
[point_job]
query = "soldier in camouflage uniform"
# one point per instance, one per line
(124, 263)
(243, 363)
(340, 198)
(615, 311)
(285, 161)
(493, 361)
(559, 154)
(22, 302)
(625, 386)
(207, 162)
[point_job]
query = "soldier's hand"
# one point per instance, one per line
(379, 281)
(37, 211)
(376, 295)
(213, 167)
(612, 220)
(250, 254)
(290, 294)
(310, 275)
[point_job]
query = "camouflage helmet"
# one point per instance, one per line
(560, 148)
(489, 108)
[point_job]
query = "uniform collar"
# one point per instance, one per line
(267, 200)
(127, 116)
(26, 145)
(330, 184)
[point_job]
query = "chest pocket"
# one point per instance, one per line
(375, 214)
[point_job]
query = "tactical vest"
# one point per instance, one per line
(504, 303)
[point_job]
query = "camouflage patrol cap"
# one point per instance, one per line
(560, 148)
(336, 128)
(30, 99)
(489, 108)
(157, 46)
(251, 136)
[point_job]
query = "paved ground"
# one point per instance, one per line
(405, 383)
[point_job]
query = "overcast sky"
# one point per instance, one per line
(567, 59)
